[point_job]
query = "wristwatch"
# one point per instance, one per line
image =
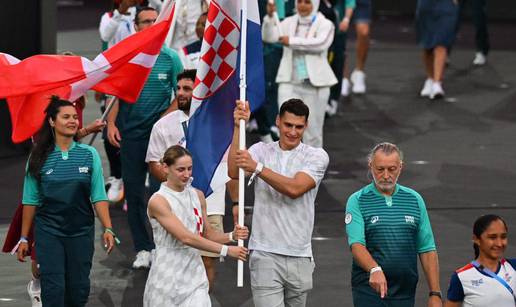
(436, 293)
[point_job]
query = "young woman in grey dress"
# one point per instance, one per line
(177, 213)
(435, 22)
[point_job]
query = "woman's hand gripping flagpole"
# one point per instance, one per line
(109, 106)
(241, 173)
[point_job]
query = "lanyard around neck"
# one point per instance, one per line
(483, 269)
(309, 25)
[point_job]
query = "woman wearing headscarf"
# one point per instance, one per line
(304, 71)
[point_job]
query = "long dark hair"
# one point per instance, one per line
(481, 224)
(44, 140)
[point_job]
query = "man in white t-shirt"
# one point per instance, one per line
(287, 175)
(171, 130)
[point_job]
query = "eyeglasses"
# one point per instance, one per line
(147, 21)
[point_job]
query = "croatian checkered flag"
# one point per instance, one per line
(217, 88)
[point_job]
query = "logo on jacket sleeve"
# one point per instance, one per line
(349, 218)
(84, 170)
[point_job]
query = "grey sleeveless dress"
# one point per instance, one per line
(177, 276)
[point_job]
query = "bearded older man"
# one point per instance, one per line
(388, 227)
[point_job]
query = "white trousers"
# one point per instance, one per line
(316, 99)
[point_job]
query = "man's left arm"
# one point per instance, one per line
(293, 187)
(430, 264)
(428, 256)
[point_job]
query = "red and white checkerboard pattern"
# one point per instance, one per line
(199, 221)
(219, 52)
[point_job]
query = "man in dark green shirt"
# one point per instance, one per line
(388, 227)
(129, 128)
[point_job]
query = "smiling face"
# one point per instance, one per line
(291, 128)
(493, 241)
(385, 169)
(184, 94)
(66, 122)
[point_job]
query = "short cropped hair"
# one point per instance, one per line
(296, 107)
(140, 9)
(187, 74)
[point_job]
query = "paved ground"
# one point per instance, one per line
(459, 156)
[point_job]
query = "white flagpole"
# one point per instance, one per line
(241, 174)
(109, 106)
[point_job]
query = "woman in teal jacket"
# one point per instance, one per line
(62, 181)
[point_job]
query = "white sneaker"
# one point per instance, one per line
(358, 79)
(115, 190)
(34, 291)
(480, 59)
(427, 88)
(331, 108)
(266, 138)
(143, 260)
(437, 91)
(344, 89)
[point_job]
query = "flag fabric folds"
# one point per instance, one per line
(217, 88)
(121, 71)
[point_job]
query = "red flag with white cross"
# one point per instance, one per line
(122, 71)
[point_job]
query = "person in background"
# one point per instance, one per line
(435, 25)
(129, 128)
(187, 13)
(479, 14)
(190, 53)
(339, 12)
(304, 71)
(362, 17)
(115, 26)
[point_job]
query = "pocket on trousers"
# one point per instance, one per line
(305, 269)
(262, 270)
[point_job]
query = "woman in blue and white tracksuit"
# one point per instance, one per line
(489, 280)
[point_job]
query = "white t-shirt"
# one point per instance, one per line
(184, 30)
(115, 27)
(283, 225)
(476, 289)
(168, 131)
